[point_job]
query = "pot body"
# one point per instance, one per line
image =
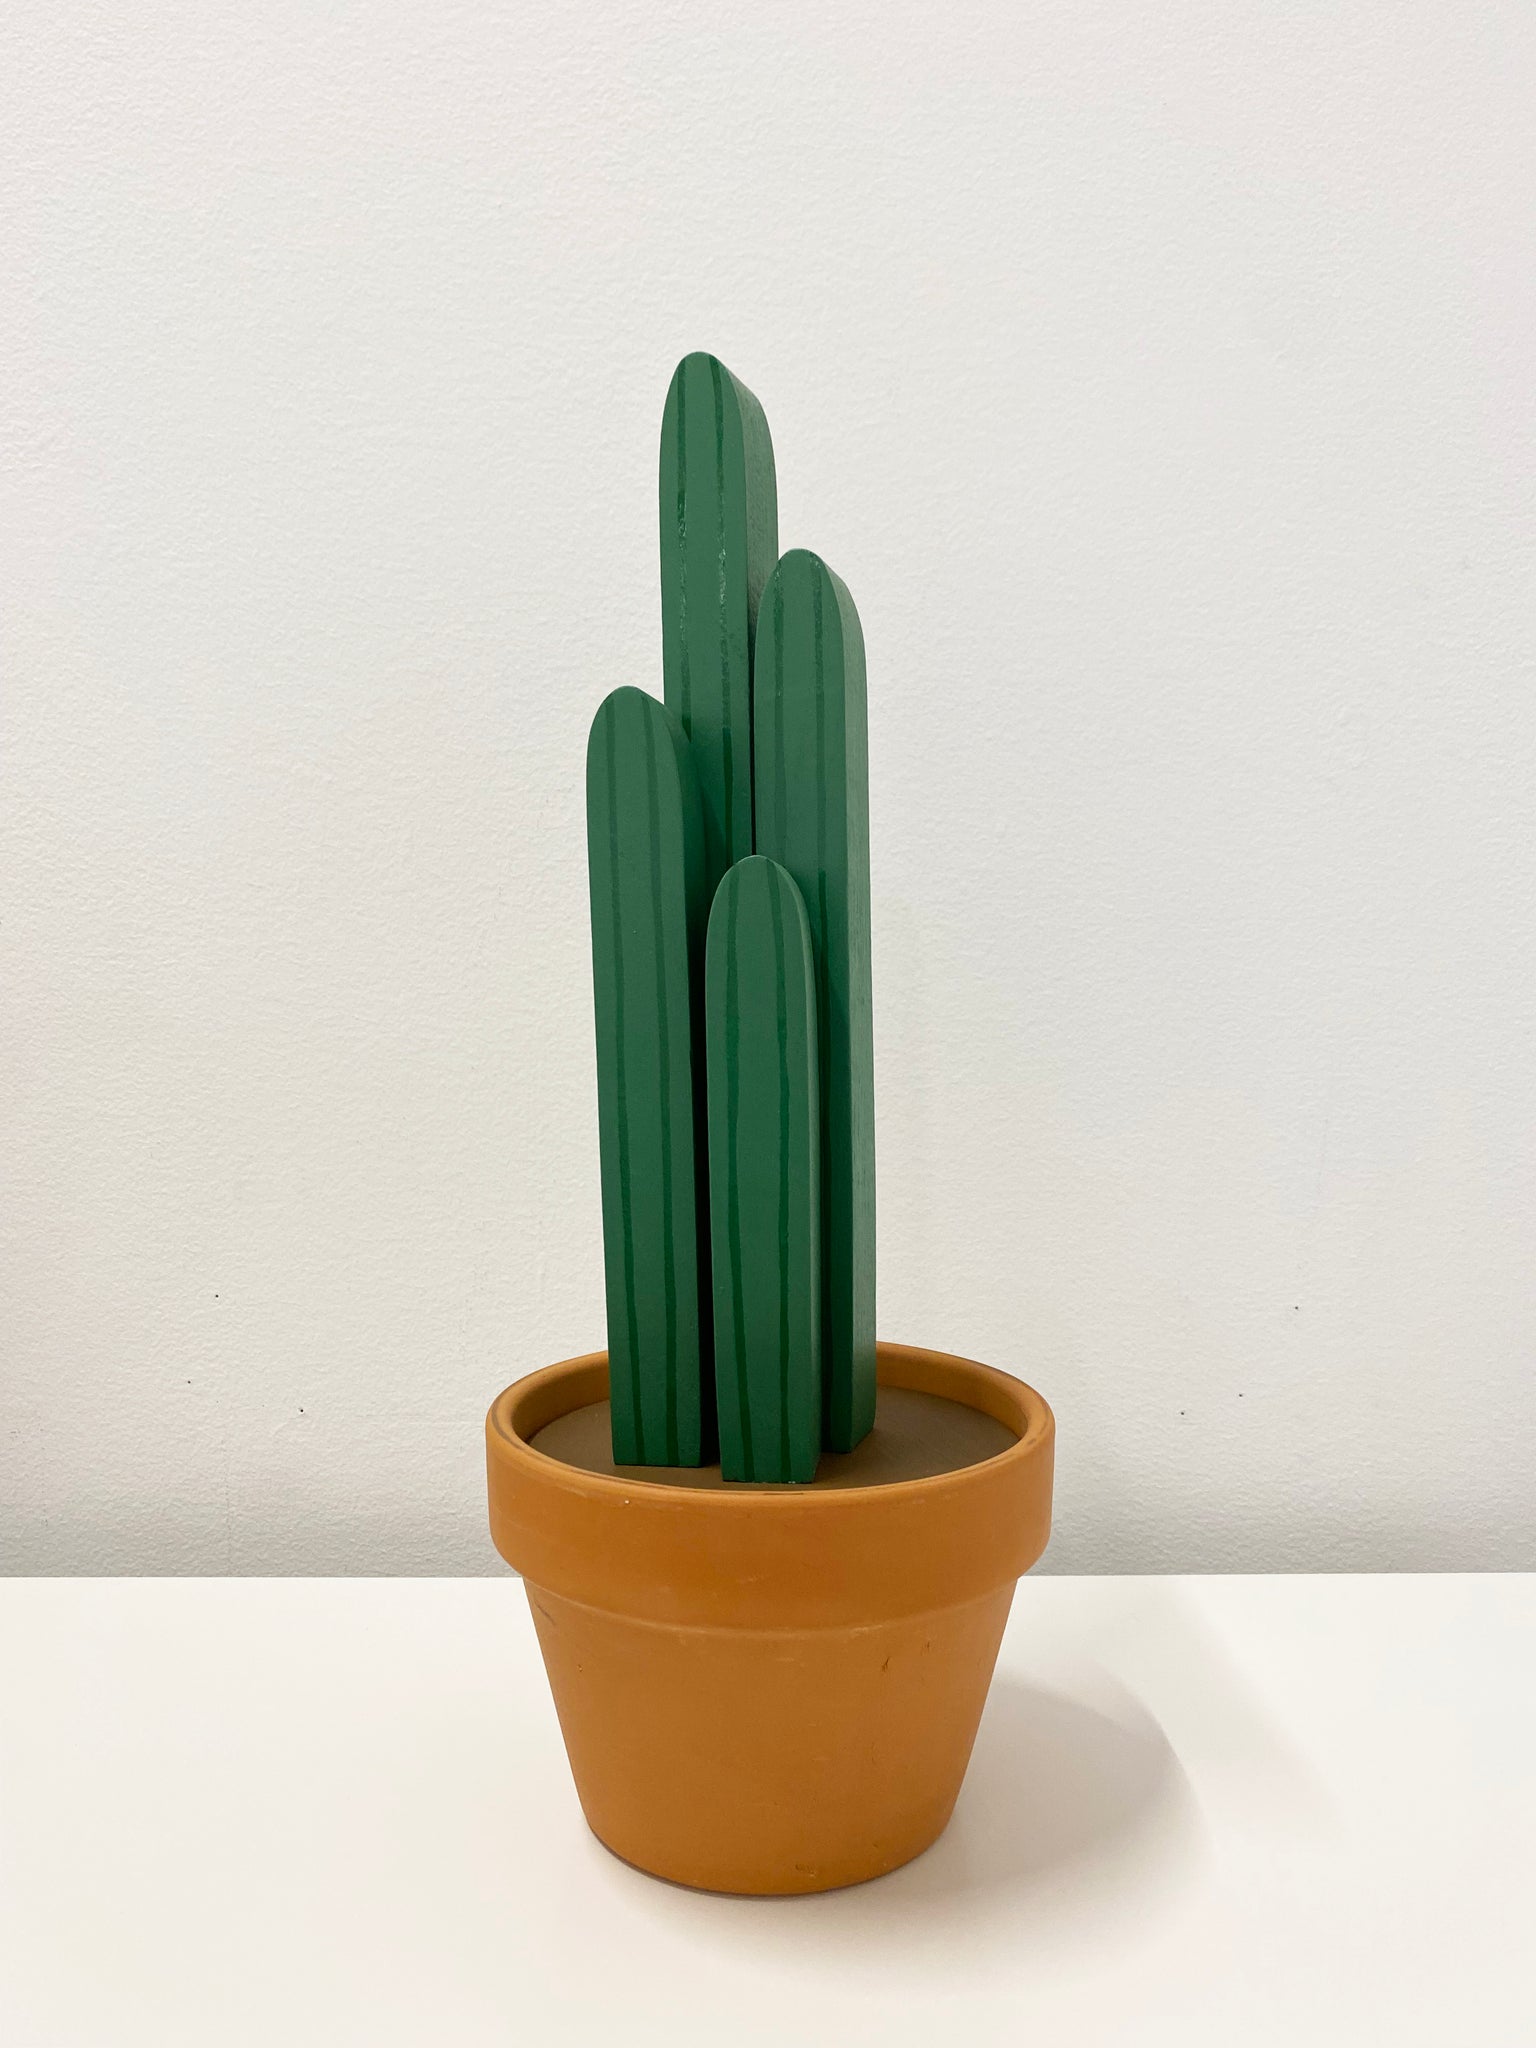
(767, 1689)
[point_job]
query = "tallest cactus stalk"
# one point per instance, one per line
(719, 540)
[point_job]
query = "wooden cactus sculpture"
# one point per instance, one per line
(812, 767)
(735, 1063)
(764, 1174)
(645, 859)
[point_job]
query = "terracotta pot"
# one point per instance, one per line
(770, 1689)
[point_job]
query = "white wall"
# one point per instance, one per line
(1159, 379)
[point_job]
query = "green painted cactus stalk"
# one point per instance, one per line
(719, 541)
(764, 1174)
(812, 767)
(728, 844)
(645, 860)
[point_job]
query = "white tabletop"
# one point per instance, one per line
(1226, 1811)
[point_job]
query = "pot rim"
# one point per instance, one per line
(771, 1556)
(525, 1407)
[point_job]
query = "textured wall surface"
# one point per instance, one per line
(1159, 380)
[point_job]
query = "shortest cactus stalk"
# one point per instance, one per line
(764, 1174)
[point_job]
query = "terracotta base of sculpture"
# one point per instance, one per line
(770, 1689)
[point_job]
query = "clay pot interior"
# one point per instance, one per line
(916, 1436)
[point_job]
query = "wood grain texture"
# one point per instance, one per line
(719, 539)
(812, 771)
(764, 1175)
(645, 857)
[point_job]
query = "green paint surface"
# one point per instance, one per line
(764, 1173)
(645, 858)
(812, 773)
(719, 538)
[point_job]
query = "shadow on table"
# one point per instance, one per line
(1070, 1811)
